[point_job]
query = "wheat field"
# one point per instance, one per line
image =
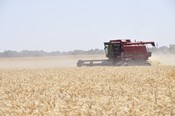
(36, 89)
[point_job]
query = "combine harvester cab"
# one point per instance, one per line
(121, 53)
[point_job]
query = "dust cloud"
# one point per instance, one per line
(163, 59)
(45, 61)
(70, 61)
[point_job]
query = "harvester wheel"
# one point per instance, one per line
(79, 63)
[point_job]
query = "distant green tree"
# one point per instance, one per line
(164, 49)
(10, 53)
(172, 48)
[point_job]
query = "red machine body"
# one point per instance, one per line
(125, 49)
(136, 52)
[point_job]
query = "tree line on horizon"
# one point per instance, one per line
(36, 53)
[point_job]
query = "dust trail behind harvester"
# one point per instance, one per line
(163, 59)
(44, 62)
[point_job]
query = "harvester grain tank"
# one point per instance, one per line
(121, 52)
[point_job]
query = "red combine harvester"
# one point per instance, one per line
(122, 53)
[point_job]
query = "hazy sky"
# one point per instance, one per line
(64, 25)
